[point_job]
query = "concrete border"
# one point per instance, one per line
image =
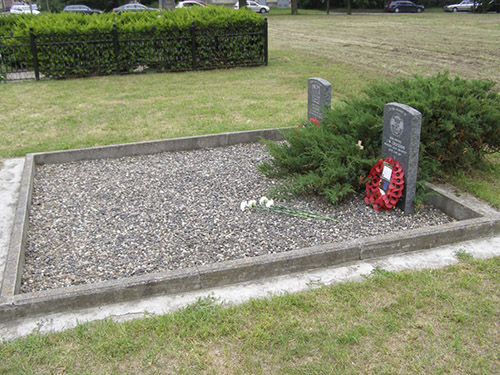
(15, 255)
(154, 147)
(475, 221)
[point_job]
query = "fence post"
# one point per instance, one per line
(193, 45)
(266, 42)
(116, 48)
(34, 52)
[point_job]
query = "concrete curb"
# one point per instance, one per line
(15, 255)
(476, 221)
(10, 179)
(154, 147)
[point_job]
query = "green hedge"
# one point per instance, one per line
(460, 124)
(179, 19)
(70, 44)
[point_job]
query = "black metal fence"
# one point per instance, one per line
(76, 55)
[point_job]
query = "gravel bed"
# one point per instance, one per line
(113, 218)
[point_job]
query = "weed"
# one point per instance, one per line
(464, 256)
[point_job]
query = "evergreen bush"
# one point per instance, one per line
(460, 124)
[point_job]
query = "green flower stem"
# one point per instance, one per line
(295, 212)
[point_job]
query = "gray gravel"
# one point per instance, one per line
(112, 218)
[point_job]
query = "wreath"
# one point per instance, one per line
(385, 186)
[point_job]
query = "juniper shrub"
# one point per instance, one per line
(460, 125)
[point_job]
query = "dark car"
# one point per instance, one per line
(134, 8)
(403, 6)
(81, 9)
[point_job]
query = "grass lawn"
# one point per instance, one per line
(348, 51)
(427, 322)
(483, 182)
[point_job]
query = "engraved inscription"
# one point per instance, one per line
(319, 97)
(395, 146)
(397, 125)
(314, 109)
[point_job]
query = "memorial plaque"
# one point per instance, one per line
(319, 97)
(401, 141)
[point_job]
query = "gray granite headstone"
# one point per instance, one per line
(319, 97)
(401, 141)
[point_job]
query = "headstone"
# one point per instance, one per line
(319, 97)
(283, 4)
(401, 141)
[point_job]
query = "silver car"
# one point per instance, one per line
(134, 7)
(24, 9)
(190, 3)
(464, 6)
(256, 7)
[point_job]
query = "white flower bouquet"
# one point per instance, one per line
(269, 205)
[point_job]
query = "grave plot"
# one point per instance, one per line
(107, 219)
(119, 223)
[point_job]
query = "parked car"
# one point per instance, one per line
(24, 9)
(134, 8)
(81, 9)
(464, 6)
(493, 6)
(403, 6)
(190, 3)
(256, 7)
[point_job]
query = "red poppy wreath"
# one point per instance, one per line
(385, 186)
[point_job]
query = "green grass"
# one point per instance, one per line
(301, 12)
(483, 182)
(348, 51)
(53, 115)
(132, 108)
(420, 322)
